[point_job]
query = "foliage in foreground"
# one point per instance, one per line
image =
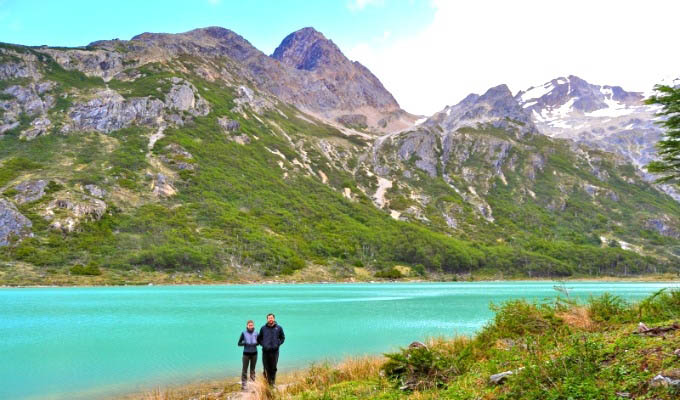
(558, 350)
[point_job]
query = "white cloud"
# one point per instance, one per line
(471, 46)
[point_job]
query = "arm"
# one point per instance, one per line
(241, 340)
(282, 336)
(259, 337)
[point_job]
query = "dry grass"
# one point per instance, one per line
(320, 376)
(578, 317)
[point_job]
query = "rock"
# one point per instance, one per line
(26, 100)
(95, 191)
(182, 97)
(77, 210)
(6, 127)
(642, 327)
(102, 63)
(498, 379)
(664, 381)
(677, 352)
(417, 345)
(12, 223)
(241, 139)
(39, 127)
(162, 186)
(664, 226)
(20, 65)
(109, 111)
(177, 150)
(354, 120)
(30, 191)
(229, 125)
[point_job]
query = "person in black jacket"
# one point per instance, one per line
(271, 337)
(248, 340)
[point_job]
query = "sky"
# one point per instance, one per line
(428, 53)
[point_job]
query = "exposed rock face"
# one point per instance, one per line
(75, 209)
(30, 191)
(182, 97)
(162, 186)
(31, 100)
(353, 120)
(12, 223)
(334, 82)
(664, 226)
(229, 125)
(178, 157)
(100, 63)
(496, 107)
(95, 191)
(602, 117)
(109, 111)
(18, 65)
(307, 70)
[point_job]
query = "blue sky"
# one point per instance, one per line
(263, 22)
(428, 53)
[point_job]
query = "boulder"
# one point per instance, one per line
(75, 210)
(30, 191)
(95, 191)
(12, 223)
(162, 186)
(39, 127)
(229, 125)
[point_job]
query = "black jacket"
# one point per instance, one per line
(271, 337)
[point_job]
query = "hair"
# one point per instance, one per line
(250, 321)
(271, 315)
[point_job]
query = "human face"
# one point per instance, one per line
(250, 326)
(270, 320)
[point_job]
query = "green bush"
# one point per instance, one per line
(607, 307)
(391, 273)
(89, 269)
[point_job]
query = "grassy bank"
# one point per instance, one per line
(18, 274)
(557, 350)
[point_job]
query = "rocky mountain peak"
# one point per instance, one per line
(497, 106)
(308, 49)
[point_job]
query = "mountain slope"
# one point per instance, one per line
(484, 159)
(173, 158)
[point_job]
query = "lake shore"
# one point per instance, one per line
(595, 349)
(26, 276)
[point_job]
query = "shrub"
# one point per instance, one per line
(89, 269)
(391, 273)
(607, 307)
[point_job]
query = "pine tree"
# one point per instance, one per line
(668, 164)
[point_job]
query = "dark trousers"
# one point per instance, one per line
(252, 360)
(269, 361)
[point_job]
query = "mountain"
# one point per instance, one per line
(365, 97)
(195, 157)
(482, 168)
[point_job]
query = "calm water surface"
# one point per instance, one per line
(98, 342)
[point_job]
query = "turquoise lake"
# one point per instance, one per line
(97, 342)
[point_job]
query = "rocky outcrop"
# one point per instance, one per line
(497, 107)
(95, 191)
(13, 225)
(18, 64)
(31, 100)
(353, 120)
(29, 191)
(67, 211)
(228, 125)
(162, 186)
(102, 63)
(183, 97)
(109, 111)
